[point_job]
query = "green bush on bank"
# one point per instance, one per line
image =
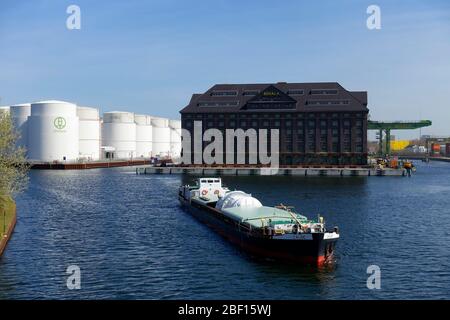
(7, 211)
(13, 163)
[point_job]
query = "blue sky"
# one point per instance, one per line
(150, 56)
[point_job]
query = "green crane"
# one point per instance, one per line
(387, 126)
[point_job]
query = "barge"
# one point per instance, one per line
(277, 233)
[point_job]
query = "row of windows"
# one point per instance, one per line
(223, 93)
(326, 102)
(276, 105)
(324, 91)
(218, 104)
(273, 115)
(250, 93)
(293, 92)
(286, 123)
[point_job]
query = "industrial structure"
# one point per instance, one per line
(387, 126)
(318, 123)
(59, 131)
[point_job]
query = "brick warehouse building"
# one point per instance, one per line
(319, 123)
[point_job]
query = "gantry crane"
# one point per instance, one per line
(387, 126)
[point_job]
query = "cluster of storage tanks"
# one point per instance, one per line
(62, 131)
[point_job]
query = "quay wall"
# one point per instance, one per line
(246, 171)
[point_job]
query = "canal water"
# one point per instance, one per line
(131, 240)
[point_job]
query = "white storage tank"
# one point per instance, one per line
(53, 131)
(19, 117)
(161, 137)
(143, 135)
(89, 133)
(119, 133)
(175, 138)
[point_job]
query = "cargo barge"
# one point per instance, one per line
(277, 233)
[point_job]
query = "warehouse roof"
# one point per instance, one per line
(281, 96)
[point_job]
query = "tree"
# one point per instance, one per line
(13, 163)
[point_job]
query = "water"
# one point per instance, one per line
(132, 241)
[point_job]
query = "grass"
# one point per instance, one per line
(6, 213)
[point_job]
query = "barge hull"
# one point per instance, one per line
(316, 251)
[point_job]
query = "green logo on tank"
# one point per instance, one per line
(59, 123)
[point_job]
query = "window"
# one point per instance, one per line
(218, 104)
(295, 92)
(254, 124)
(311, 145)
(300, 146)
(223, 93)
(324, 91)
(300, 123)
(288, 123)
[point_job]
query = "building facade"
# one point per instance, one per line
(318, 123)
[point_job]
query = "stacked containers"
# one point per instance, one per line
(89, 133)
(143, 135)
(175, 138)
(435, 149)
(161, 137)
(19, 116)
(119, 132)
(53, 131)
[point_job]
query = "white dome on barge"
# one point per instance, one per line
(237, 199)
